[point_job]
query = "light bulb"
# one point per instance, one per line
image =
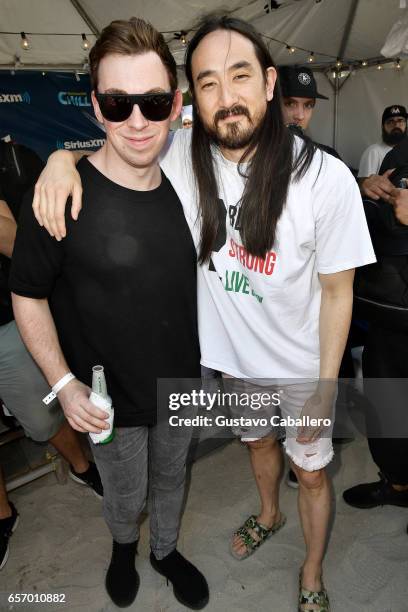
(24, 41)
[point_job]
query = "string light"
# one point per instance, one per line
(24, 41)
(182, 37)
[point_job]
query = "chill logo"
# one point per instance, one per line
(15, 98)
(74, 98)
(74, 145)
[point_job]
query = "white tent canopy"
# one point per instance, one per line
(353, 30)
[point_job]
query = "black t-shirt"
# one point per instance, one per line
(6, 310)
(19, 169)
(328, 149)
(121, 287)
(398, 156)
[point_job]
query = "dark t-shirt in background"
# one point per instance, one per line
(398, 156)
(19, 169)
(121, 287)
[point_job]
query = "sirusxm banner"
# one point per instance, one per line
(48, 111)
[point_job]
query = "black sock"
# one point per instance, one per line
(122, 579)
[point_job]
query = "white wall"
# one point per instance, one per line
(321, 125)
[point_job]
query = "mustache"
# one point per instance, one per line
(396, 130)
(223, 113)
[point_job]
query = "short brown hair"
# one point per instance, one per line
(132, 37)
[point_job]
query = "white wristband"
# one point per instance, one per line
(57, 387)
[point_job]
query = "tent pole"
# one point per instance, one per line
(336, 110)
(81, 11)
(347, 27)
(336, 87)
(343, 45)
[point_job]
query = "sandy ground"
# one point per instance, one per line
(62, 545)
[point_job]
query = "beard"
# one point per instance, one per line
(232, 135)
(394, 137)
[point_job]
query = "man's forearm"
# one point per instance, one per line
(334, 325)
(75, 156)
(37, 328)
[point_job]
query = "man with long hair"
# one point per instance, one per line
(279, 228)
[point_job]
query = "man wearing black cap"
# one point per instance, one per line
(394, 130)
(299, 91)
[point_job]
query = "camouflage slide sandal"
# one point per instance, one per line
(253, 534)
(312, 601)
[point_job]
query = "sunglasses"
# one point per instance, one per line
(119, 107)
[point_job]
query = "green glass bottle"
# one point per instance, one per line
(100, 398)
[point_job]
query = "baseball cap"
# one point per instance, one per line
(298, 82)
(396, 110)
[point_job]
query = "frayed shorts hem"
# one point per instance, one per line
(307, 463)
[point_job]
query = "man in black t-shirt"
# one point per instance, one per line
(120, 291)
(385, 360)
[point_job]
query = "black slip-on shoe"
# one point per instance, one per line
(374, 494)
(7, 527)
(291, 480)
(189, 585)
(90, 478)
(122, 580)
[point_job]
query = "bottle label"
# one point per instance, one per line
(106, 405)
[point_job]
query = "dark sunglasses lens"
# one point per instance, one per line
(156, 108)
(116, 108)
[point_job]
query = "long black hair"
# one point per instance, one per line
(270, 154)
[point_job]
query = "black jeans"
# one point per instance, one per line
(385, 357)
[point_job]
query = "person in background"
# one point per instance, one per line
(385, 361)
(8, 522)
(187, 117)
(299, 94)
(22, 386)
(373, 184)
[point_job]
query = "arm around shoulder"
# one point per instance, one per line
(59, 180)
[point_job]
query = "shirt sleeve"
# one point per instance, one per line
(341, 232)
(370, 162)
(37, 257)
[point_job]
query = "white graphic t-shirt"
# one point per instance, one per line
(259, 318)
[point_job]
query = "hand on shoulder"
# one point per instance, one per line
(58, 181)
